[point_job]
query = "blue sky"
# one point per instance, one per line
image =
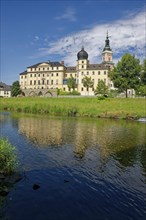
(37, 31)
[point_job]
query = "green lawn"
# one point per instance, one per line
(129, 108)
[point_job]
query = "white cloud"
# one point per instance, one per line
(126, 35)
(69, 15)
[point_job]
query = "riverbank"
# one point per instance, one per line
(8, 165)
(131, 108)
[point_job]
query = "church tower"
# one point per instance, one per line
(82, 59)
(107, 54)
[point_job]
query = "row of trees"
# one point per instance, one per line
(128, 74)
(88, 83)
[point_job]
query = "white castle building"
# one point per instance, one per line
(42, 78)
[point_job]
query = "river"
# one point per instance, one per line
(86, 169)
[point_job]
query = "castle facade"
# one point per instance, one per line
(41, 78)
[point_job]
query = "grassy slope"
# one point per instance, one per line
(82, 106)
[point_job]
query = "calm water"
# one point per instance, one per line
(87, 169)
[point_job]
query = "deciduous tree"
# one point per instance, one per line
(87, 82)
(143, 73)
(101, 88)
(16, 89)
(126, 75)
(71, 83)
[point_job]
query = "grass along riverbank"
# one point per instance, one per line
(8, 161)
(131, 108)
(8, 166)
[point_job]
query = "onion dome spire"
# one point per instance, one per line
(82, 55)
(107, 45)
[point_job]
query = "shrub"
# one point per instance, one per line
(8, 161)
(65, 93)
(101, 97)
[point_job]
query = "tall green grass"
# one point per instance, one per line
(8, 160)
(130, 108)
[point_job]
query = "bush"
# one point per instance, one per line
(101, 97)
(68, 93)
(113, 94)
(8, 161)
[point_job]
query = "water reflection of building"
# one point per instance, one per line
(107, 137)
(41, 131)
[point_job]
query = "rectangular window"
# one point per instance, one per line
(56, 74)
(47, 82)
(51, 82)
(43, 81)
(98, 80)
(30, 82)
(87, 73)
(56, 81)
(34, 82)
(38, 82)
(52, 74)
(98, 72)
(82, 66)
(21, 77)
(104, 72)
(82, 73)
(93, 73)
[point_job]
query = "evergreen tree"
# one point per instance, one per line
(16, 89)
(126, 75)
(101, 88)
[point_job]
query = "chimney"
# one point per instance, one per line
(62, 62)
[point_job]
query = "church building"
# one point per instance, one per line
(42, 78)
